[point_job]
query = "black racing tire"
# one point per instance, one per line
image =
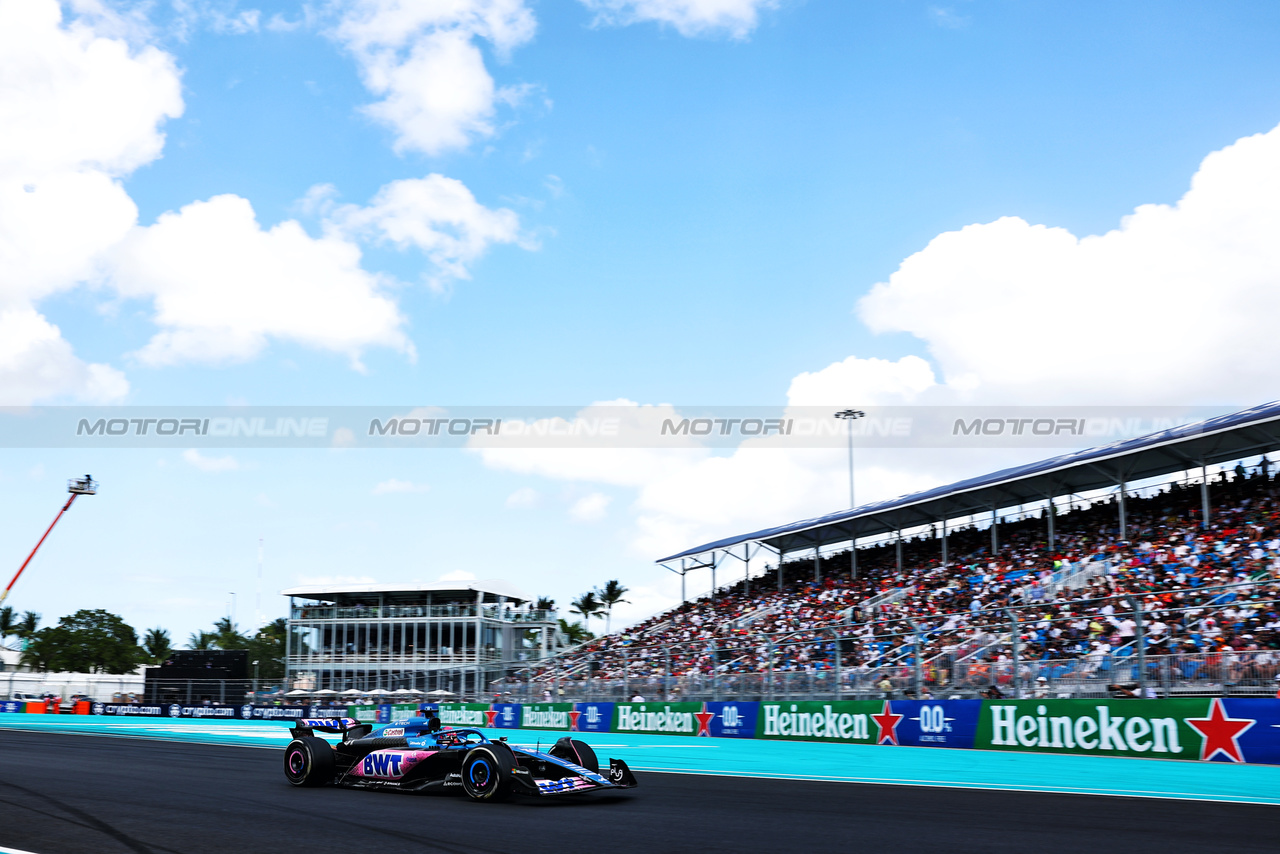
(487, 770)
(309, 761)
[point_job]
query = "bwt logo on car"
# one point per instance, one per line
(382, 765)
(645, 721)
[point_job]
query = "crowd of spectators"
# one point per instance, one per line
(1207, 591)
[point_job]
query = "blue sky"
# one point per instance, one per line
(688, 202)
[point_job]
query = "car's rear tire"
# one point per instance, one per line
(486, 773)
(577, 752)
(309, 761)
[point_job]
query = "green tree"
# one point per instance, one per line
(574, 632)
(8, 623)
(86, 642)
(202, 640)
(545, 604)
(228, 635)
(27, 625)
(586, 606)
(157, 645)
(267, 648)
(609, 595)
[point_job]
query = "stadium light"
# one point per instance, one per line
(77, 486)
(851, 415)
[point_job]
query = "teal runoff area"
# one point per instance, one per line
(853, 763)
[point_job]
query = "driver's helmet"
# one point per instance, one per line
(448, 737)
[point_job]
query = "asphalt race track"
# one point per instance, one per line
(67, 794)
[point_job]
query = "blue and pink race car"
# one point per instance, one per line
(418, 755)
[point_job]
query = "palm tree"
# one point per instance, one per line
(27, 625)
(8, 625)
(228, 635)
(586, 606)
(545, 604)
(574, 632)
(202, 640)
(157, 644)
(611, 594)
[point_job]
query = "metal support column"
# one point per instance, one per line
(1140, 643)
(853, 559)
(899, 550)
(1124, 527)
(917, 674)
(780, 553)
(1204, 496)
(1015, 633)
(713, 576)
(837, 665)
(746, 572)
(1051, 512)
(817, 566)
(683, 598)
(944, 542)
(995, 537)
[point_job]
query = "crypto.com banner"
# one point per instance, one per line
(583, 427)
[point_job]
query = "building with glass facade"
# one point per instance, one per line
(439, 636)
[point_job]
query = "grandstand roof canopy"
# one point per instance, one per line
(412, 592)
(1227, 437)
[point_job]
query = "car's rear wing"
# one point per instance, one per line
(343, 726)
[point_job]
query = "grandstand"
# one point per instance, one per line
(1133, 569)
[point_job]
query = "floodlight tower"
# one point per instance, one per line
(76, 486)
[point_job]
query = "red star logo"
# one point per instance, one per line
(704, 720)
(573, 721)
(491, 714)
(887, 721)
(1220, 732)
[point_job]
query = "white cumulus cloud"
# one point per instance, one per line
(423, 61)
(80, 107)
(438, 216)
(736, 18)
(223, 286)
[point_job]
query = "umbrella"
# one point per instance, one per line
(440, 692)
(410, 692)
(324, 692)
(353, 692)
(297, 692)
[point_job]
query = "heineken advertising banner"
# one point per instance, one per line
(1204, 728)
(561, 716)
(466, 714)
(916, 723)
(732, 719)
(662, 718)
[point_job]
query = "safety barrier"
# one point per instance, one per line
(1213, 729)
(1216, 729)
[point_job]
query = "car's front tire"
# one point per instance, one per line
(486, 773)
(309, 761)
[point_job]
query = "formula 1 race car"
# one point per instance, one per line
(419, 755)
